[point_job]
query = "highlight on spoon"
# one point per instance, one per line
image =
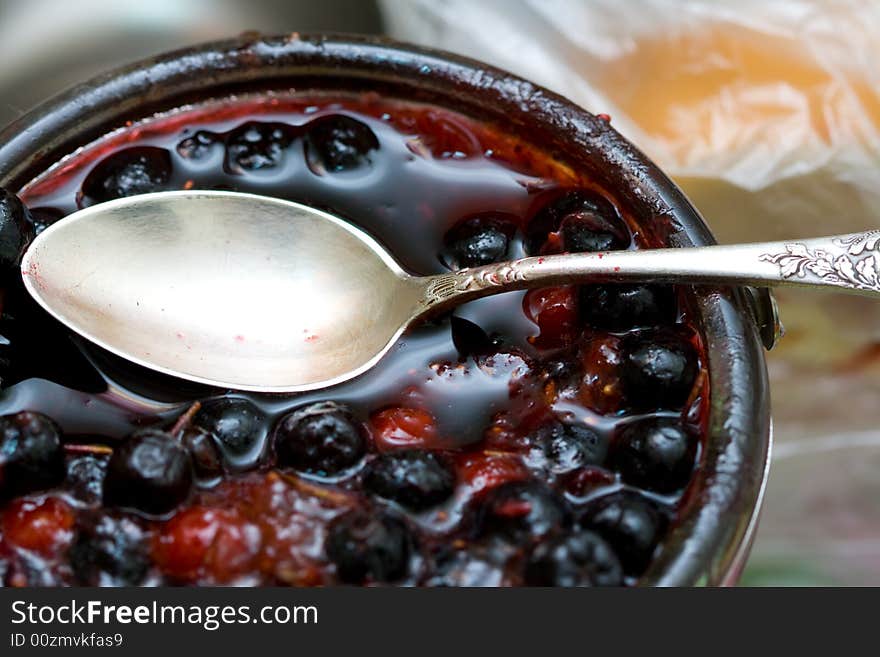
(211, 286)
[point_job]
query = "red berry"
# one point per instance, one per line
(44, 527)
(600, 388)
(200, 541)
(554, 310)
(482, 472)
(440, 134)
(399, 427)
(513, 509)
(587, 479)
(512, 428)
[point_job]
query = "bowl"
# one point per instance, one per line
(710, 541)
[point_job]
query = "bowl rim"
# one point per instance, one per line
(711, 539)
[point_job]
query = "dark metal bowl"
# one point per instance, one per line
(710, 542)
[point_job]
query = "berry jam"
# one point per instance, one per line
(532, 438)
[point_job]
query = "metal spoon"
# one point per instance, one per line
(255, 293)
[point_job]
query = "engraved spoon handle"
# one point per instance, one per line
(847, 262)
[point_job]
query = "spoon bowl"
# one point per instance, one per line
(255, 293)
(228, 289)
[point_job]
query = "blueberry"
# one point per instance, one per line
(197, 147)
(631, 524)
(658, 369)
(16, 230)
(109, 550)
(478, 240)
(206, 457)
(256, 145)
(654, 453)
(566, 447)
(150, 472)
(339, 143)
(624, 307)
(321, 438)
(137, 170)
(413, 478)
(31, 455)
(580, 559)
(237, 424)
(522, 511)
(367, 546)
(85, 477)
(585, 220)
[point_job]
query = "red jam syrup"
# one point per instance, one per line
(539, 438)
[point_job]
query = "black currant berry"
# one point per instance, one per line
(16, 230)
(566, 447)
(199, 146)
(416, 479)
(522, 511)
(624, 307)
(631, 524)
(256, 145)
(206, 456)
(658, 369)
(136, 170)
(584, 220)
(478, 240)
(109, 550)
(368, 546)
(469, 339)
(580, 559)
(150, 471)
(31, 455)
(85, 478)
(339, 143)
(321, 438)
(654, 453)
(237, 424)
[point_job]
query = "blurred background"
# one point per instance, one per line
(767, 113)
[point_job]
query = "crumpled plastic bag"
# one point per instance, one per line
(778, 99)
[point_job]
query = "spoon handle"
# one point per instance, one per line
(847, 262)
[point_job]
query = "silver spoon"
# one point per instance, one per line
(255, 293)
